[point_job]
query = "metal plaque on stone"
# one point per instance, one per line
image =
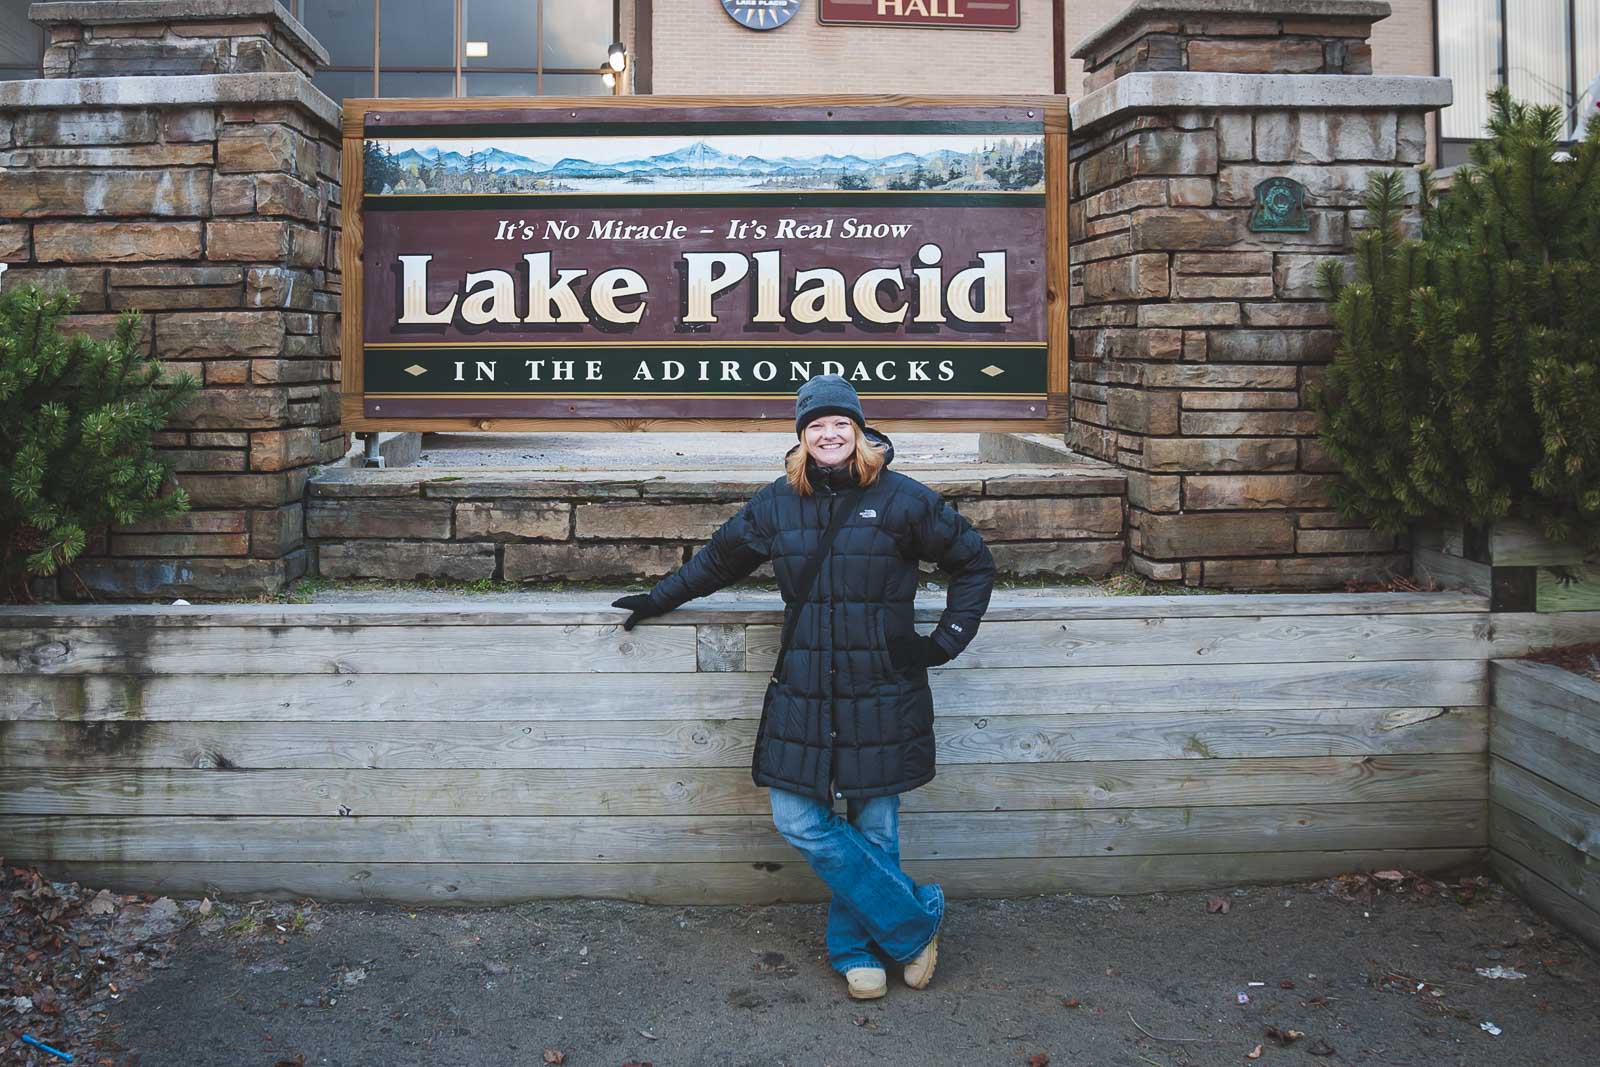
(1280, 207)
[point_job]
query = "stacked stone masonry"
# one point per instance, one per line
(216, 219)
(543, 526)
(1196, 342)
(1233, 36)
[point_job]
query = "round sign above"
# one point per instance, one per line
(761, 14)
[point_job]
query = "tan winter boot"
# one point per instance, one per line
(867, 983)
(920, 970)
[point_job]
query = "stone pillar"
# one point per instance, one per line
(177, 160)
(1195, 333)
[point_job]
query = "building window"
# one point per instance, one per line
(22, 43)
(461, 47)
(1546, 51)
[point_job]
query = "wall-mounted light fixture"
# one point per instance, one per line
(477, 49)
(611, 71)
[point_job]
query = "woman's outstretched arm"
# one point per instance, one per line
(734, 552)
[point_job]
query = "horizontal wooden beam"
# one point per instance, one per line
(746, 839)
(729, 790)
(741, 883)
(730, 695)
(592, 609)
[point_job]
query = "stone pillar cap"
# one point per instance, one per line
(1371, 10)
(107, 12)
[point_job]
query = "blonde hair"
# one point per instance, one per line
(867, 463)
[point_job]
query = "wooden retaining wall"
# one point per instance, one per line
(1544, 790)
(461, 753)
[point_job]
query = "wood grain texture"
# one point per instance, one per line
(1568, 817)
(1272, 639)
(1451, 572)
(1574, 872)
(665, 745)
(352, 245)
(351, 650)
(729, 791)
(1546, 897)
(1546, 753)
(721, 695)
(354, 419)
(733, 883)
(608, 648)
(1554, 700)
(1004, 607)
(744, 839)
(1568, 588)
(1057, 285)
(359, 114)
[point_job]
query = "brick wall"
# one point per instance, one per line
(698, 49)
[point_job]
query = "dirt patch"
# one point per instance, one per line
(1380, 969)
(1579, 659)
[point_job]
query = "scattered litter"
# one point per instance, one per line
(21, 1005)
(1490, 1028)
(206, 906)
(355, 977)
(552, 1055)
(1217, 906)
(36, 1043)
(584, 951)
(648, 1036)
(1285, 1037)
(1253, 1054)
(1244, 998)
(1500, 972)
(1254, 984)
(180, 603)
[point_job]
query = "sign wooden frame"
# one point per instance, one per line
(359, 114)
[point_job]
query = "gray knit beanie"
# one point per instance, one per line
(827, 394)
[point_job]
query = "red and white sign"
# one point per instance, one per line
(923, 14)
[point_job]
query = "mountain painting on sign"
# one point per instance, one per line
(779, 164)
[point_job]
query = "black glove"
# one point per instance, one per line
(640, 606)
(909, 652)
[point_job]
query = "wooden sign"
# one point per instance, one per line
(926, 14)
(652, 262)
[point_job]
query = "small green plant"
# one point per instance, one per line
(76, 423)
(1467, 384)
(246, 925)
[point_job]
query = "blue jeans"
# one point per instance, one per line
(874, 902)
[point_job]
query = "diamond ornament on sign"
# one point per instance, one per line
(992, 371)
(416, 370)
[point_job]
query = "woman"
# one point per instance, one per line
(848, 713)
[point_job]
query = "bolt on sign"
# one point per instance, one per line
(935, 14)
(656, 263)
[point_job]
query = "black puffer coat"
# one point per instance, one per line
(842, 717)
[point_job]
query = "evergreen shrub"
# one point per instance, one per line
(76, 423)
(1466, 385)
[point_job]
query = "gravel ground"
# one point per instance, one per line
(1363, 969)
